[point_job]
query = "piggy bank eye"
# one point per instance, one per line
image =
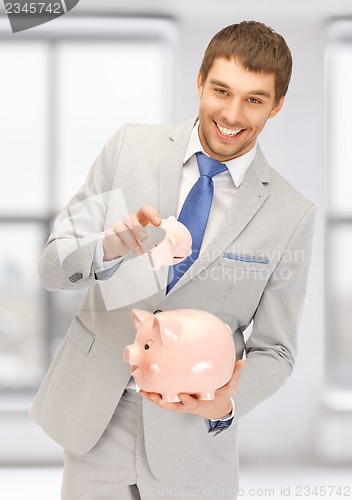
(148, 344)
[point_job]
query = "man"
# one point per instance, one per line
(252, 268)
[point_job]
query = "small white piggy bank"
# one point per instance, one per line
(181, 351)
(175, 247)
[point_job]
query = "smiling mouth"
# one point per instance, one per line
(228, 132)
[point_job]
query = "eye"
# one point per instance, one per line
(221, 91)
(254, 100)
(148, 344)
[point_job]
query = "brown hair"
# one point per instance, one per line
(256, 47)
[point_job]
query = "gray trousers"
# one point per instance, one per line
(117, 467)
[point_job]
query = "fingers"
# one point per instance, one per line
(148, 215)
(127, 234)
(133, 233)
(238, 367)
(209, 409)
(186, 404)
(231, 386)
(120, 239)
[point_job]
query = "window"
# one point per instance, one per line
(338, 63)
(66, 92)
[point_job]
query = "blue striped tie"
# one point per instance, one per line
(195, 212)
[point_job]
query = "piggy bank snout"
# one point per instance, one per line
(131, 354)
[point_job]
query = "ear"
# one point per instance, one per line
(277, 107)
(200, 86)
(171, 218)
(170, 329)
(138, 317)
(172, 242)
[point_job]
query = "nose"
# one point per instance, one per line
(130, 355)
(233, 112)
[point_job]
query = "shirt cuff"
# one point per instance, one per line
(217, 426)
(104, 270)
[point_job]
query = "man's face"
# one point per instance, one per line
(234, 106)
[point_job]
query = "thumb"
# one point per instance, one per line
(231, 385)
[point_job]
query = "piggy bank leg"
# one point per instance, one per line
(170, 398)
(206, 396)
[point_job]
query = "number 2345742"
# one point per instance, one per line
(33, 8)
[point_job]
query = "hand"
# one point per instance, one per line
(213, 409)
(127, 234)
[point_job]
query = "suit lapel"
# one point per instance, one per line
(250, 197)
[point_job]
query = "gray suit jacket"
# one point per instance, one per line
(253, 272)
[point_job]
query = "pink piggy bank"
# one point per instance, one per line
(185, 350)
(175, 247)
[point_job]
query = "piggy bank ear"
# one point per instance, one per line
(172, 242)
(138, 317)
(170, 329)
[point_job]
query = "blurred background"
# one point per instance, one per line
(66, 86)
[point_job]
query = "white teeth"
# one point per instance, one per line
(227, 131)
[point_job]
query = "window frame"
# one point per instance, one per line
(97, 29)
(338, 391)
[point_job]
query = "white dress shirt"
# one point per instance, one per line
(225, 184)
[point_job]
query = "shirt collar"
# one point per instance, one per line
(237, 167)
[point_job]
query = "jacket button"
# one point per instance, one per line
(75, 277)
(157, 311)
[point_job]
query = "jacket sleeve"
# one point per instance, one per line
(272, 345)
(67, 259)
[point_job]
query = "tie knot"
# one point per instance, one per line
(208, 166)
